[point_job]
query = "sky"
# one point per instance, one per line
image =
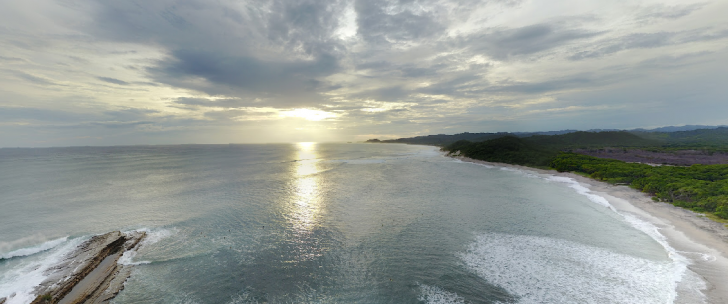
(121, 72)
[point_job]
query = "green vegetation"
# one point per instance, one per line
(443, 140)
(509, 149)
(586, 140)
(702, 188)
(666, 139)
(701, 139)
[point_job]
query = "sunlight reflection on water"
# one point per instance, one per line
(305, 207)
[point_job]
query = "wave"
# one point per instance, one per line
(547, 270)
(33, 250)
(579, 188)
(153, 236)
(18, 284)
(436, 295)
(680, 262)
(679, 266)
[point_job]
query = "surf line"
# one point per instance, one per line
(91, 273)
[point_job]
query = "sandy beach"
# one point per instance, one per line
(703, 242)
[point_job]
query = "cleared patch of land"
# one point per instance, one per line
(675, 158)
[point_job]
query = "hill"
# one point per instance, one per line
(585, 140)
(672, 136)
(508, 149)
(701, 138)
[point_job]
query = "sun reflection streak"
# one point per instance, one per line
(306, 204)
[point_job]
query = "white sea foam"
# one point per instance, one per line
(33, 250)
(457, 160)
(678, 270)
(436, 295)
(680, 262)
(582, 190)
(547, 270)
(22, 280)
(156, 235)
(153, 236)
(127, 259)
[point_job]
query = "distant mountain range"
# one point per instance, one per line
(694, 135)
(679, 128)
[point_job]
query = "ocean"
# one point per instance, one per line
(326, 223)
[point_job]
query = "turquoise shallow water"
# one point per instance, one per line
(323, 223)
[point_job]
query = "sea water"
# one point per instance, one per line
(326, 223)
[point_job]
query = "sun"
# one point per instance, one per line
(308, 114)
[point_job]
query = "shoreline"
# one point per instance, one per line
(703, 242)
(90, 273)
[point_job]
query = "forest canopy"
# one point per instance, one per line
(702, 188)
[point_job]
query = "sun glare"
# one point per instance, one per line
(308, 114)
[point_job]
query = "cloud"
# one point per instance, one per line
(287, 82)
(107, 124)
(502, 44)
(384, 22)
(12, 59)
(38, 80)
(212, 103)
(113, 80)
(182, 68)
(655, 12)
(36, 114)
(647, 41)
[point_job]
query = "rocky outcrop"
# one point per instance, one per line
(91, 273)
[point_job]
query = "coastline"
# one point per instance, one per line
(701, 241)
(90, 273)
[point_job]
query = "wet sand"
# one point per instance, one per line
(702, 241)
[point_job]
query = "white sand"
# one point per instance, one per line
(702, 241)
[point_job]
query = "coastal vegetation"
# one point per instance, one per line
(509, 149)
(702, 188)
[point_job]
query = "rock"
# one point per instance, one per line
(91, 273)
